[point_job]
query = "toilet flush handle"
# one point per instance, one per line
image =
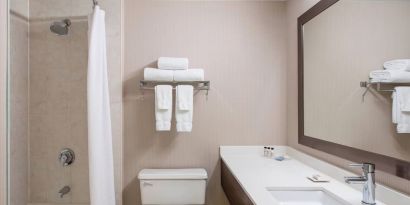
(147, 183)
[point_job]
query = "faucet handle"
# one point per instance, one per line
(367, 167)
(356, 165)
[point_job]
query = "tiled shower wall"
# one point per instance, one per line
(19, 135)
(58, 112)
(58, 115)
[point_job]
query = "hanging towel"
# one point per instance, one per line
(398, 64)
(184, 107)
(167, 63)
(402, 107)
(163, 94)
(158, 75)
(390, 76)
(100, 151)
(195, 74)
(395, 110)
(163, 107)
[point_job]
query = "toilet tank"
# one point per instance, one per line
(172, 186)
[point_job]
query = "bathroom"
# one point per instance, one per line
(315, 80)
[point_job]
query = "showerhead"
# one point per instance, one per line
(60, 27)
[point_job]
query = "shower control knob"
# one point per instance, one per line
(66, 157)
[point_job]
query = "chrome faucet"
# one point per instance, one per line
(368, 181)
(65, 190)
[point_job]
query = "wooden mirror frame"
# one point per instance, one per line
(397, 167)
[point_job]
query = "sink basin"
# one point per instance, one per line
(305, 196)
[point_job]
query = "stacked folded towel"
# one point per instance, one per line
(194, 74)
(154, 74)
(166, 63)
(395, 71)
(398, 64)
(390, 76)
(173, 69)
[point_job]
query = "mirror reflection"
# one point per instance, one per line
(343, 46)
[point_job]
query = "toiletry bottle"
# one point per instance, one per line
(265, 151)
(271, 152)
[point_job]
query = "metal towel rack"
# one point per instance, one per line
(198, 85)
(369, 84)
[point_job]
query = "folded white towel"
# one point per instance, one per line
(401, 101)
(390, 76)
(158, 75)
(167, 63)
(194, 74)
(163, 107)
(398, 64)
(184, 107)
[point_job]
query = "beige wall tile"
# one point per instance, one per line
(58, 114)
(18, 110)
(58, 101)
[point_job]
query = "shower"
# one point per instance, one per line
(60, 27)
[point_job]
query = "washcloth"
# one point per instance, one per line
(163, 107)
(398, 64)
(184, 107)
(154, 74)
(401, 101)
(167, 63)
(195, 74)
(390, 76)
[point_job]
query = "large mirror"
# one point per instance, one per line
(340, 43)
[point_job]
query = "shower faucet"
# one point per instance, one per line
(65, 190)
(368, 181)
(66, 156)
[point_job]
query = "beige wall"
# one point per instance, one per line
(19, 99)
(3, 67)
(294, 9)
(241, 46)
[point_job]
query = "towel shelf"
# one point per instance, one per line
(198, 85)
(369, 84)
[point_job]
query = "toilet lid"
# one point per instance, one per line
(172, 174)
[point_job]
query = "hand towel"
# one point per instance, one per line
(398, 64)
(195, 74)
(163, 107)
(402, 97)
(395, 110)
(184, 107)
(154, 74)
(390, 76)
(167, 63)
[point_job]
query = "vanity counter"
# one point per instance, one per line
(256, 174)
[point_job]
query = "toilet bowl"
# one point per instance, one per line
(172, 186)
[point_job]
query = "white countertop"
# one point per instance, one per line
(256, 174)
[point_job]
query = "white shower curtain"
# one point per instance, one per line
(101, 167)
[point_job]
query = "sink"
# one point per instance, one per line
(305, 196)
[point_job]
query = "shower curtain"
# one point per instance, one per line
(101, 166)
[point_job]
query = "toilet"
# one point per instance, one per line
(172, 186)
